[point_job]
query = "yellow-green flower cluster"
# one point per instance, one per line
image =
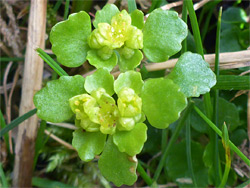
(98, 111)
(120, 34)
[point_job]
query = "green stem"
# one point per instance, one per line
(188, 150)
(57, 6)
(216, 104)
(184, 18)
(131, 6)
(144, 175)
(217, 130)
(17, 121)
(174, 137)
(164, 139)
(3, 178)
(7, 59)
(66, 10)
(3, 125)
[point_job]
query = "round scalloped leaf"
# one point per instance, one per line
(162, 102)
(88, 144)
(95, 60)
(100, 79)
(130, 79)
(131, 142)
(137, 17)
(105, 15)
(116, 166)
(126, 64)
(162, 35)
(52, 101)
(69, 39)
(193, 75)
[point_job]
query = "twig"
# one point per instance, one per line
(59, 140)
(64, 125)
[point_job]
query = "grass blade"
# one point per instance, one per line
(66, 9)
(172, 140)
(17, 121)
(217, 130)
(131, 5)
(51, 62)
(184, 18)
(188, 150)
(7, 59)
(225, 142)
(232, 82)
(46, 183)
(3, 177)
(3, 125)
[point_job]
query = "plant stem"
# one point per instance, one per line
(188, 151)
(216, 104)
(7, 59)
(3, 125)
(131, 6)
(3, 177)
(217, 130)
(17, 121)
(144, 175)
(174, 137)
(184, 18)
(66, 9)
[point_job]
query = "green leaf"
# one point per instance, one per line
(100, 79)
(162, 102)
(88, 144)
(137, 17)
(95, 60)
(116, 166)
(69, 39)
(130, 79)
(177, 166)
(234, 15)
(126, 63)
(131, 142)
(193, 75)
(105, 15)
(52, 102)
(159, 43)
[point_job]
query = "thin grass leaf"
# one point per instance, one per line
(188, 150)
(184, 18)
(51, 62)
(174, 137)
(66, 9)
(3, 177)
(7, 59)
(3, 125)
(17, 121)
(216, 103)
(46, 183)
(57, 5)
(131, 5)
(232, 82)
(244, 184)
(217, 130)
(225, 142)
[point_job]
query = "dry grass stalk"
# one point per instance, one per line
(32, 80)
(54, 137)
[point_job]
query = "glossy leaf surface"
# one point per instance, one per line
(162, 102)
(130, 63)
(52, 102)
(88, 144)
(100, 79)
(95, 60)
(162, 35)
(130, 79)
(105, 15)
(193, 75)
(131, 142)
(69, 39)
(116, 166)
